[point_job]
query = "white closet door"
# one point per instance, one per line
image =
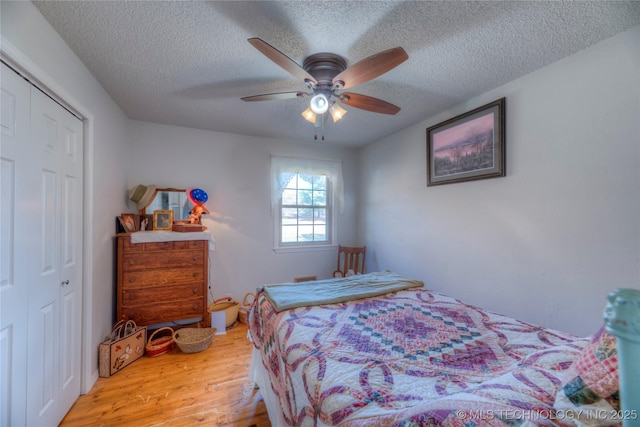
(55, 291)
(18, 177)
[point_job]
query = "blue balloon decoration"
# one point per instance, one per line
(199, 195)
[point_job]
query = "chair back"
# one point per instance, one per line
(350, 258)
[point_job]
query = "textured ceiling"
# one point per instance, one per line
(188, 63)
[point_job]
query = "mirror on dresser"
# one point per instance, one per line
(174, 199)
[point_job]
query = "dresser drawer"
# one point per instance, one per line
(162, 277)
(127, 246)
(146, 260)
(163, 294)
(160, 312)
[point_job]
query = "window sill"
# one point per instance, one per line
(309, 248)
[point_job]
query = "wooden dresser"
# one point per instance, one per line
(161, 282)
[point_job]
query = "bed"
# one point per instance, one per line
(382, 350)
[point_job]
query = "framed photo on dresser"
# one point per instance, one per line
(162, 219)
(129, 222)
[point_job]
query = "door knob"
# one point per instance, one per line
(66, 282)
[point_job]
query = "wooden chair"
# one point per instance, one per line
(350, 258)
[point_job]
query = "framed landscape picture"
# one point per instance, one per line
(468, 147)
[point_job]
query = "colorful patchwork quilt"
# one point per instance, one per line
(410, 358)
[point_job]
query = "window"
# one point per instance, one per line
(304, 196)
(304, 210)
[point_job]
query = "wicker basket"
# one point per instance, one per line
(230, 307)
(243, 311)
(193, 340)
(160, 345)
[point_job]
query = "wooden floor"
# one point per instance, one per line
(210, 388)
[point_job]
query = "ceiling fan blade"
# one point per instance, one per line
(371, 67)
(274, 96)
(281, 59)
(369, 103)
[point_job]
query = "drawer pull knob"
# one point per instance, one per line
(195, 274)
(195, 291)
(131, 280)
(131, 262)
(195, 306)
(195, 257)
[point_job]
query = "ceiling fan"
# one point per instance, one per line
(327, 75)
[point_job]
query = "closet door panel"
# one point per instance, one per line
(47, 360)
(18, 181)
(56, 136)
(71, 264)
(44, 292)
(48, 221)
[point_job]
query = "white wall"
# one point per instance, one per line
(547, 242)
(234, 171)
(30, 40)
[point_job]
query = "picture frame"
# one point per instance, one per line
(120, 225)
(129, 222)
(468, 147)
(162, 219)
(146, 222)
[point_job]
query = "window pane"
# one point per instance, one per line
(305, 233)
(320, 198)
(289, 216)
(319, 182)
(320, 216)
(305, 216)
(304, 181)
(319, 232)
(289, 197)
(305, 197)
(290, 179)
(289, 233)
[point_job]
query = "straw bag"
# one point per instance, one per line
(193, 340)
(243, 311)
(160, 345)
(125, 345)
(229, 306)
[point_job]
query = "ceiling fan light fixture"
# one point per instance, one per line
(309, 115)
(319, 104)
(337, 112)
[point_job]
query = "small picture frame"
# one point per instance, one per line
(128, 222)
(162, 219)
(146, 222)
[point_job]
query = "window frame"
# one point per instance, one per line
(331, 223)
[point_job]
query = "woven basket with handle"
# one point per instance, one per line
(230, 307)
(193, 340)
(243, 311)
(159, 345)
